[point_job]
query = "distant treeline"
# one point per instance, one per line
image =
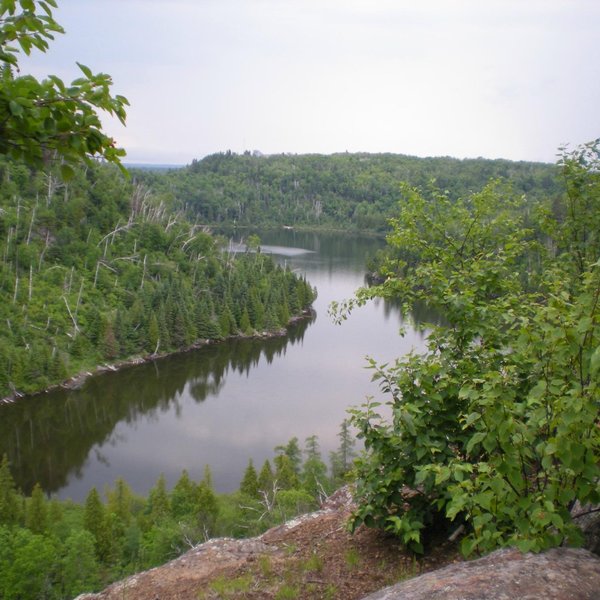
(102, 268)
(353, 191)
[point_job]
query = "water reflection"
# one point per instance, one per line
(219, 405)
(48, 437)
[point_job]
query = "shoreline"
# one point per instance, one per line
(77, 381)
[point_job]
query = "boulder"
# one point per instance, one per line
(507, 574)
(588, 519)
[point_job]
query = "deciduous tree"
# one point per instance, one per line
(47, 120)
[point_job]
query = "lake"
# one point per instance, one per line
(219, 405)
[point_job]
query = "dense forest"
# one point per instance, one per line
(100, 268)
(342, 191)
(58, 549)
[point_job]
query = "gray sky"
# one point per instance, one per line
(495, 78)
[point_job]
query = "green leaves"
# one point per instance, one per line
(47, 120)
(495, 425)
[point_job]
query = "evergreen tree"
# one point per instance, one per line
(205, 325)
(249, 483)
(285, 476)
(120, 500)
(36, 518)
(10, 512)
(227, 322)
(153, 333)
(293, 452)
(245, 324)
(184, 497)
(341, 460)
(158, 501)
(109, 345)
(207, 508)
(55, 515)
(95, 521)
(314, 470)
(207, 476)
(266, 478)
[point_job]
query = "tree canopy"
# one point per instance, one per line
(495, 426)
(343, 191)
(50, 121)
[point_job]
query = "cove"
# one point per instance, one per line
(219, 405)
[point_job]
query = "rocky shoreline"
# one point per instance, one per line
(76, 381)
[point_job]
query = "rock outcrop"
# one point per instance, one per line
(587, 518)
(558, 574)
(314, 556)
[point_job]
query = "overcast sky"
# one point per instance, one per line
(496, 78)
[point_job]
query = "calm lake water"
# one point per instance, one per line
(219, 405)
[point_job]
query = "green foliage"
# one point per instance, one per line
(49, 120)
(314, 471)
(285, 476)
(349, 191)
(29, 565)
(10, 511)
(266, 478)
(96, 270)
(341, 459)
(36, 518)
(159, 503)
(495, 426)
(80, 548)
(292, 451)
(80, 566)
(249, 484)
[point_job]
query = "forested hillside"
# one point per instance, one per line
(101, 268)
(354, 191)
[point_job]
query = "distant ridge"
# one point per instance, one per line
(152, 167)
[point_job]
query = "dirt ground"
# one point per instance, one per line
(313, 556)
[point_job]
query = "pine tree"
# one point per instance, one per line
(341, 460)
(314, 470)
(153, 333)
(158, 501)
(227, 321)
(207, 508)
(207, 476)
(184, 497)
(36, 518)
(245, 324)
(95, 521)
(266, 478)
(109, 345)
(285, 476)
(120, 500)
(10, 512)
(249, 483)
(293, 452)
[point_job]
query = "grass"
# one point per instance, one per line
(228, 588)
(352, 558)
(287, 592)
(265, 566)
(314, 564)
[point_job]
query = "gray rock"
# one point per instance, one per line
(588, 519)
(558, 574)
